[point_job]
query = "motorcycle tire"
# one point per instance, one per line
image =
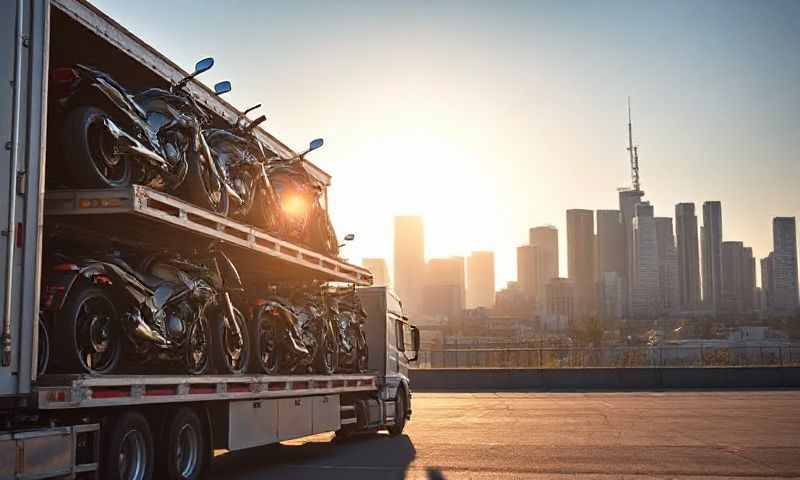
(43, 347)
(362, 353)
(227, 360)
(321, 237)
(88, 324)
(197, 354)
(264, 215)
(327, 354)
(196, 188)
(265, 357)
(89, 151)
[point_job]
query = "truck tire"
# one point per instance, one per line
(88, 151)
(88, 332)
(186, 452)
(127, 443)
(400, 410)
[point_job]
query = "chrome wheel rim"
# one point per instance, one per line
(103, 151)
(132, 456)
(96, 335)
(187, 450)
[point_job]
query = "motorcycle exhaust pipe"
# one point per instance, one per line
(142, 330)
(132, 145)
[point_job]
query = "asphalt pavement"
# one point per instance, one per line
(750, 434)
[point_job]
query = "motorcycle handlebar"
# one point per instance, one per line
(256, 123)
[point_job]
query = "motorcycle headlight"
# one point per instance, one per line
(294, 205)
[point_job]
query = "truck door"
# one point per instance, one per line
(23, 57)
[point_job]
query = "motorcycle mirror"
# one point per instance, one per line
(350, 237)
(258, 105)
(315, 144)
(222, 87)
(203, 65)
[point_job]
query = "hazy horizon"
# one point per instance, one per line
(488, 119)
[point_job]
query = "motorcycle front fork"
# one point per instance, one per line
(230, 318)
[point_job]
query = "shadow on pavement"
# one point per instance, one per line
(371, 456)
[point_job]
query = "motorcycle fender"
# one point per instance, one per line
(59, 286)
(110, 98)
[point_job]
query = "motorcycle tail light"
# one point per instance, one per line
(65, 267)
(52, 296)
(64, 76)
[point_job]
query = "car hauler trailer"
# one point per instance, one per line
(130, 426)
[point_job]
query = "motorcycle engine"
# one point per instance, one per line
(177, 321)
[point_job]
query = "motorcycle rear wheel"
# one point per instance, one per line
(203, 189)
(327, 355)
(89, 151)
(362, 353)
(264, 214)
(89, 333)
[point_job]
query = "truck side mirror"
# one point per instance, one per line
(414, 344)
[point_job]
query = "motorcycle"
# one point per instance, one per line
(293, 335)
(305, 220)
(348, 318)
(162, 308)
(241, 159)
(112, 138)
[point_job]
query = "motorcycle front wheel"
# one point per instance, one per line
(232, 352)
(203, 188)
(90, 151)
(362, 353)
(327, 355)
(265, 214)
(196, 356)
(266, 358)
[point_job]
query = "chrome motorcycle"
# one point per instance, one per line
(112, 138)
(166, 308)
(242, 159)
(292, 334)
(305, 219)
(348, 318)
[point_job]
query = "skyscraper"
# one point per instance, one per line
(688, 256)
(628, 200)
(732, 277)
(525, 271)
(712, 255)
(767, 280)
(580, 258)
(645, 296)
(409, 261)
(667, 266)
(445, 287)
(480, 280)
(610, 243)
(380, 273)
(749, 302)
(543, 241)
(784, 264)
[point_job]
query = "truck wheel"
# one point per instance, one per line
(89, 149)
(232, 353)
(90, 338)
(127, 448)
(399, 413)
(185, 456)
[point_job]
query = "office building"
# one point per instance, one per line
(732, 254)
(580, 259)
(409, 261)
(645, 295)
(712, 255)
(767, 282)
(610, 242)
(560, 300)
(525, 272)
(784, 296)
(543, 241)
(688, 256)
(628, 200)
(669, 291)
(749, 298)
(445, 288)
(480, 280)
(380, 272)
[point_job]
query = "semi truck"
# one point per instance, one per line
(141, 426)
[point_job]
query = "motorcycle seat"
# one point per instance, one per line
(151, 281)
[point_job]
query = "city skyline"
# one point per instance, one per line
(499, 119)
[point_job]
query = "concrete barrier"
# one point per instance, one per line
(640, 378)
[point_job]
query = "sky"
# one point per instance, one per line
(488, 118)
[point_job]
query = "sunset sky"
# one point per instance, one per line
(491, 117)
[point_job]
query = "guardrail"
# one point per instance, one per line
(612, 357)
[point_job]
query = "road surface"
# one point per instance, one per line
(555, 435)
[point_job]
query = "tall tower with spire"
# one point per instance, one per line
(629, 198)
